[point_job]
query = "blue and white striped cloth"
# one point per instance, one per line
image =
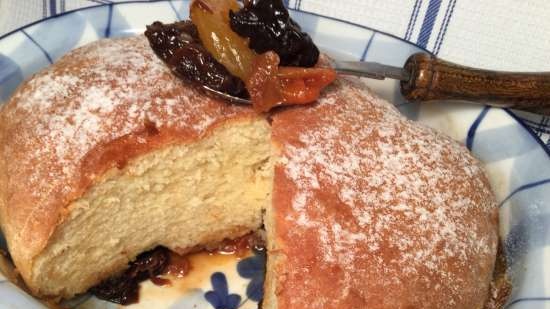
(502, 35)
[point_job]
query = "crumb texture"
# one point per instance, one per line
(179, 197)
(371, 210)
(111, 155)
(57, 127)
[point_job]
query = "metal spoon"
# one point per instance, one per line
(426, 78)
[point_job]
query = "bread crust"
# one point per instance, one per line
(371, 210)
(94, 109)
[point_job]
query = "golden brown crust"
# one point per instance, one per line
(96, 108)
(370, 210)
(374, 211)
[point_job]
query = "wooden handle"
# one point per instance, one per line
(435, 79)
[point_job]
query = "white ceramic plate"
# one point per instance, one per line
(517, 162)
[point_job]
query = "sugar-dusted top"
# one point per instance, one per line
(97, 107)
(375, 211)
(371, 210)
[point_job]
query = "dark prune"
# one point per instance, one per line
(124, 289)
(165, 39)
(194, 63)
(179, 46)
(269, 27)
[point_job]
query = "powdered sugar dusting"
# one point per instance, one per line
(385, 199)
(92, 96)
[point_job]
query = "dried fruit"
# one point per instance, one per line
(178, 45)
(269, 27)
(211, 17)
(270, 85)
(301, 85)
(267, 84)
(166, 39)
(124, 289)
(263, 84)
(208, 52)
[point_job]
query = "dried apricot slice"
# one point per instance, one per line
(270, 85)
(211, 17)
(263, 85)
(304, 85)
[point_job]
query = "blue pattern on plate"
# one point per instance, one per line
(254, 268)
(109, 21)
(525, 211)
(178, 11)
(10, 77)
(220, 298)
(99, 18)
(33, 41)
(117, 25)
(56, 46)
(473, 127)
(24, 59)
(525, 187)
(530, 131)
(367, 47)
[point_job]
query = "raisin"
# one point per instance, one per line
(268, 25)
(165, 39)
(179, 46)
(124, 289)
